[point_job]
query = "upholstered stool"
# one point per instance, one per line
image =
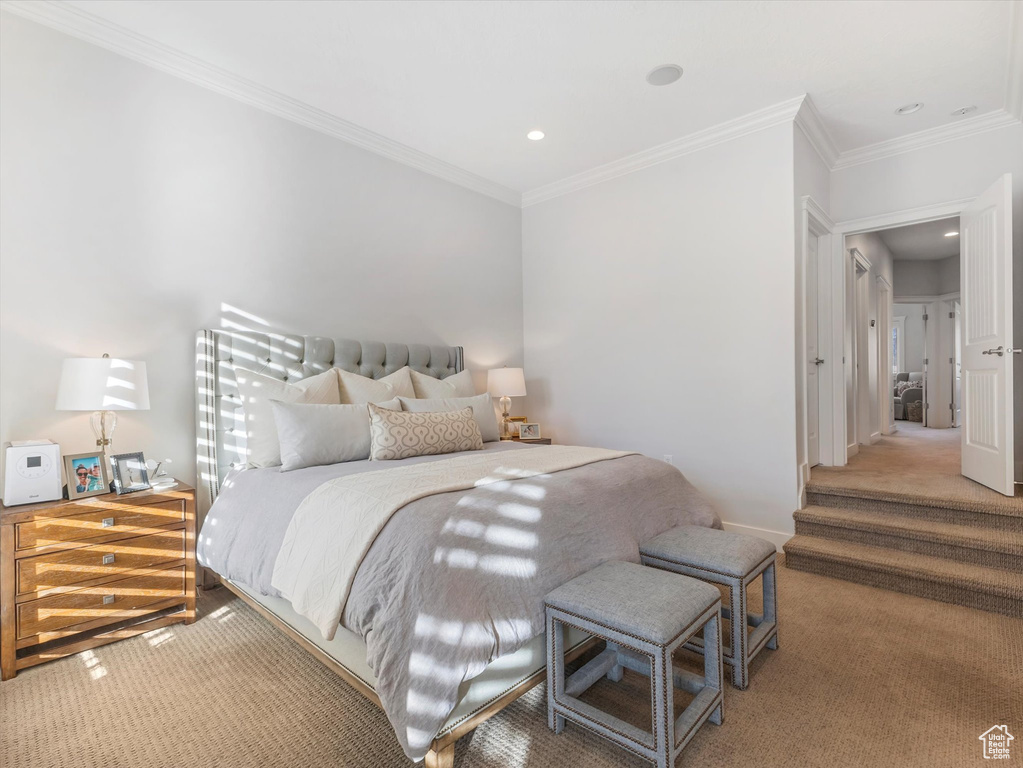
(644, 615)
(734, 560)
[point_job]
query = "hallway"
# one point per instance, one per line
(916, 464)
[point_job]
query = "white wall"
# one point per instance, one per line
(658, 317)
(913, 343)
(926, 278)
(955, 170)
(137, 207)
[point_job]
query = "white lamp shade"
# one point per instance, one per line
(506, 382)
(103, 384)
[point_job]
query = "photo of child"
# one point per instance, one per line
(88, 475)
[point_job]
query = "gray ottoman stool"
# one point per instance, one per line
(644, 615)
(734, 560)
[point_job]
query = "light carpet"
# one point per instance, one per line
(916, 465)
(862, 678)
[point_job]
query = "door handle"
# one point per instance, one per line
(818, 361)
(1011, 351)
(997, 351)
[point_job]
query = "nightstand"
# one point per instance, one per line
(537, 441)
(78, 574)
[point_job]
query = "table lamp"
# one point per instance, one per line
(103, 385)
(506, 383)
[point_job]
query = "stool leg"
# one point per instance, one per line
(771, 603)
(616, 672)
(664, 711)
(555, 672)
(712, 671)
(739, 641)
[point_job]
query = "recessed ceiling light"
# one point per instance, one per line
(909, 109)
(951, 234)
(666, 74)
(535, 135)
(964, 111)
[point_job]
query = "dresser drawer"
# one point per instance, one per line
(120, 517)
(38, 574)
(110, 602)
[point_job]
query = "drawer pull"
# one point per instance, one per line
(108, 522)
(108, 599)
(108, 559)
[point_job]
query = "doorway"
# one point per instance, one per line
(966, 330)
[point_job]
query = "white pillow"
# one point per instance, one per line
(482, 410)
(315, 434)
(362, 389)
(257, 390)
(458, 385)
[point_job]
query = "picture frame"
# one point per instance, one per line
(529, 430)
(130, 473)
(88, 472)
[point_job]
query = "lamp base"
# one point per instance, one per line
(505, 413)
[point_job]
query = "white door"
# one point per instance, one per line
(986, 268)
(814, 361)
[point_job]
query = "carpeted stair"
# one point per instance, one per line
(954, 550)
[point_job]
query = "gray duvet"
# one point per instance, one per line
(456, 580)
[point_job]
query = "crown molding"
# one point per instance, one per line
(776, 114)
(812, 125)
(95, 30)
(972, 126)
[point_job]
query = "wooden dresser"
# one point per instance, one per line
(83, 573)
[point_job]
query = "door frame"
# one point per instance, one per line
(885, 404)
(832, 324)
(863, 433)
(816, 223)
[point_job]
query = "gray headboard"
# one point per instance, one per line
(219, 420)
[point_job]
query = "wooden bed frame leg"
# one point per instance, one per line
(444, 757)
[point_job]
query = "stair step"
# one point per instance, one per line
(964, 543)
(936, 578)
(951, 511)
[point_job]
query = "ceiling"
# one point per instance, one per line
(923, 242)
(464, 82)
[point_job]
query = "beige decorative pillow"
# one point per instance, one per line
(257, 390)
(362, 389)
(482, 409)
(401, 435)
(458, 385)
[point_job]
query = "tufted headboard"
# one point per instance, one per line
(219, 419)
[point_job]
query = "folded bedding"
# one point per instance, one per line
(450, 580)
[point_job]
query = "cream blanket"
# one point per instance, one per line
(337, 523)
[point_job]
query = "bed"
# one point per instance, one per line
(413, 581)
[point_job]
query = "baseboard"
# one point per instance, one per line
(852, 449)
(778, 538)
(875, 437)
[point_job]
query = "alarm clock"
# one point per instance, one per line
(33, 472)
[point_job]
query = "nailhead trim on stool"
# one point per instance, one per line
(628, 645)
(743, 648)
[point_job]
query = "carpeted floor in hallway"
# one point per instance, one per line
(915, 461)
(863, 677)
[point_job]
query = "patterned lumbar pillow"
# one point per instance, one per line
(458, 385)
(482, 409)
(362, 389)
(401, 435)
